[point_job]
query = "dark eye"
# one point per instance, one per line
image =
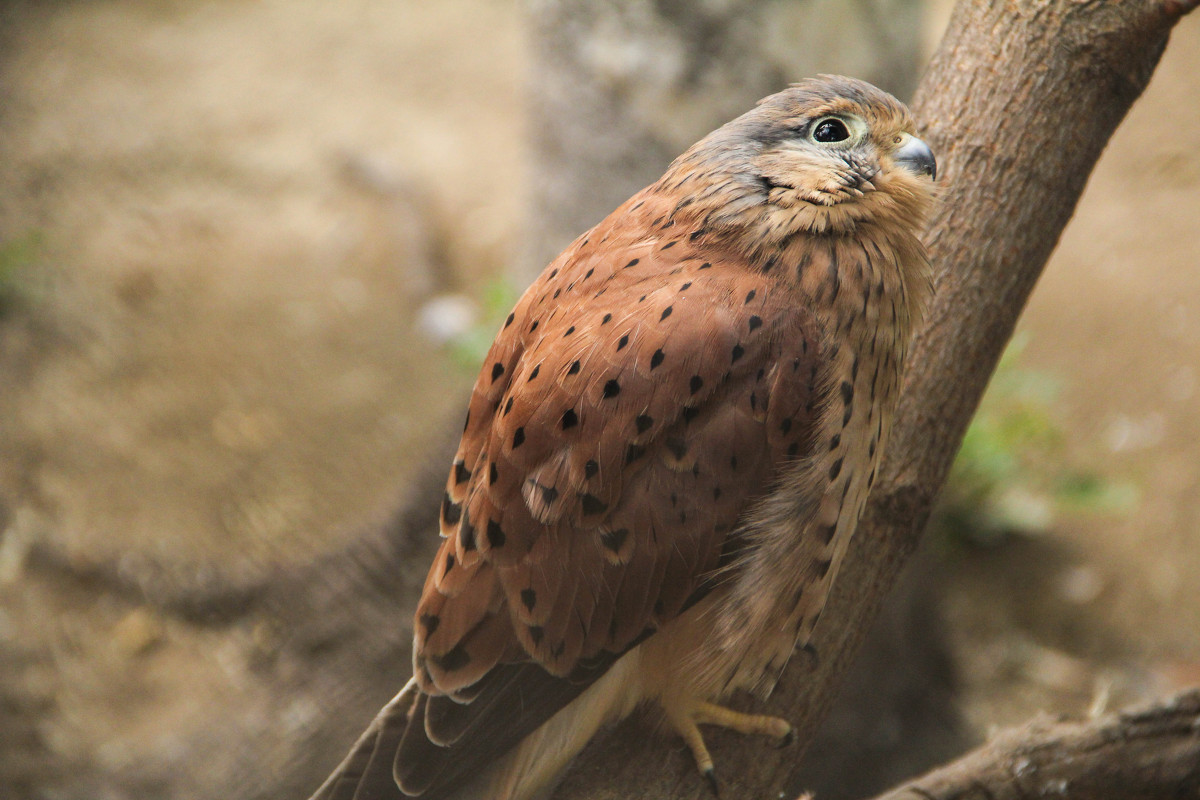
(830, 129)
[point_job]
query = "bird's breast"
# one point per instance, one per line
(746, 633)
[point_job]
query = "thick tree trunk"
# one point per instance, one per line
(1018, 103)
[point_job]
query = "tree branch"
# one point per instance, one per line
(1018, 103)
(1149, 753)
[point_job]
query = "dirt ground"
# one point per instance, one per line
(218, 223)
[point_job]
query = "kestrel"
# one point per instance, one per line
(666, 453)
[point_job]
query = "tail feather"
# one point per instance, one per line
(359, 777)
(511, 741)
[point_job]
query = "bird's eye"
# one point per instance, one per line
(830, 130)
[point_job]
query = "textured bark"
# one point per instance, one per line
(1018, 103)
(1140, 754)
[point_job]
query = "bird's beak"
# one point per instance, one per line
(917, 156)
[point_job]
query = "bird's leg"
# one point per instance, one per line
(685, 725)
(686, 715)
(712, 714)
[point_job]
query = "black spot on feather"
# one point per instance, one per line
(495, 534)
(677, 447)
(454, 660)
(466, 533)
(614, 539)
(592, 505)
(451, 511)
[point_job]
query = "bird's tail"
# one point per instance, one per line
(528, 771)
(533, 769)
(354, 779)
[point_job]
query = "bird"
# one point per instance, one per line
(666, 453)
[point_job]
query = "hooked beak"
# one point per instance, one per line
(917, 156)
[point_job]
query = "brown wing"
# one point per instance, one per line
(644, 391)
(617, 431)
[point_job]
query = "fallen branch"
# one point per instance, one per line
(1148, 753)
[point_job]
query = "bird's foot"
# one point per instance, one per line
(687, 715)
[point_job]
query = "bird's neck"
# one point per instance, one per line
(839, 256)
(872, 285)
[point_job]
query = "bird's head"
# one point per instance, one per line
(824, 156)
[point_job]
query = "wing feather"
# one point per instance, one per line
(632, 408)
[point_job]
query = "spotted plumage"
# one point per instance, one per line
(666, 452)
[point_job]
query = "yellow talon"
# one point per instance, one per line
(712, 714)
(686, 715)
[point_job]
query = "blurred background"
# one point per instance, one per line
(251, 251)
